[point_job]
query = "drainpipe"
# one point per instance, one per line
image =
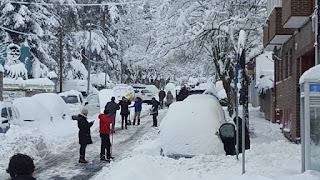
(316, 24)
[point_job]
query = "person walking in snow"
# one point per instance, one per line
(137, 110)
(124, 104)
(112, 106)
(155, 106)
(162, 95)
(105, 120)
(84, 134)
(169, 98)
(21, 167)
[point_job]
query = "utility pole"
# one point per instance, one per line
(103, 25)
(61, 57)
(316, 33)
(89, 61)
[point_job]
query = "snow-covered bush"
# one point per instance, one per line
(39, 70)
(16, 70)
(264, 84)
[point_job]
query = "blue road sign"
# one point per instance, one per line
(314, 87)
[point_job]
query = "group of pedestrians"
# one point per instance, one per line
(162, 96)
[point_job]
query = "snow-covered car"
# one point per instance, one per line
(54, 104)
(95, 103)
(191, 127)
(79, 85)
(144, 94)
(123, 90)
(8, 113)
(74, 101)
(32, 110)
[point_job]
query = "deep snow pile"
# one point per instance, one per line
(311, 74)
(271, 157)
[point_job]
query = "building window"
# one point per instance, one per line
(286, 66)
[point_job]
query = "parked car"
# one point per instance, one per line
(191, 127)
(54, 104)
(8, 113)
(95, 103)
(31, 110)
(145, 95)
(74, 100)
(123, 90)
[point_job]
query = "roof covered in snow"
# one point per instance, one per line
(312, 74)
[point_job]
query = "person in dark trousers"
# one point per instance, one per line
(162, 95)
(105, 120)
(112, 106)
(137, 110)
(21, 167)
(155, 106)
(239, 131)
(124, 104)
(84, 134)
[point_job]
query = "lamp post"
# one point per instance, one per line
(89, 61)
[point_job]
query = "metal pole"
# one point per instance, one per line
(307, 127)
(61, 57)
(302, 129)
(237, 109)
(243, 124)
(89, 61)
(316, 50)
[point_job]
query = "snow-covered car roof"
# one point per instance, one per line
(190, 127)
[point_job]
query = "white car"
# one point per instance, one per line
(191, 127)
(145, 95)
(8, 113)
(123, 90)
(74, 101)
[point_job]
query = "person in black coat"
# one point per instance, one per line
(124, 104)
(239, 130)
(112, 107)
(162, 95)
(155, 107)
(84, 134)
(21, 167)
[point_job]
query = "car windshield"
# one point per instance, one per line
(145, 91)
(70, 99)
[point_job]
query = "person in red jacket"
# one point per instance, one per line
(105, 120)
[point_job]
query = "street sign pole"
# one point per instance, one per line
(237, 108)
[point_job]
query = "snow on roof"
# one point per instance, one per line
(312, 74)
(72, 92)
(22, 82)
(52, 75)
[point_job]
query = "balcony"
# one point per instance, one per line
(275, 34)
(295, 13)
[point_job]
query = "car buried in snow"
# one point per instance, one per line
(74, 101)
(8, 113)
(191, 127)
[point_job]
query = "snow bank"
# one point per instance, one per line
(311, 74)
(189, 127)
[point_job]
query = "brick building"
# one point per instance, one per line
(289, 35)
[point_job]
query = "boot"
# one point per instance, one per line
(138, 121)
(134, 121)
(82, 159)
(102, 157)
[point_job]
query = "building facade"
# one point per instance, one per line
(289, 35)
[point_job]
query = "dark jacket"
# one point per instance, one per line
(23, 177)
(137, 106)
(162, 94)
(155, 107)
(84, 130)
(124, 107)
(112, 106)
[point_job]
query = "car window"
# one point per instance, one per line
(93, 99)
(145, 91)
(10, 111)
(71, 99)
(136, 91)
(4, 113)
